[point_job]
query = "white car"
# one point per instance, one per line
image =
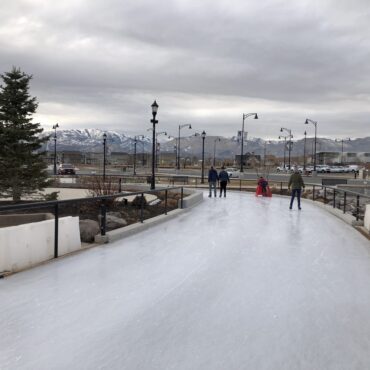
(323, 168)
(233, 173)
(282, 169)
(337, 169)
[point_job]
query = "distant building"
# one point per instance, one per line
(249, 159)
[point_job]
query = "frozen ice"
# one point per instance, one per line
(235, 283)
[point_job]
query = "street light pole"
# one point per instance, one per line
(203, 139)
(157, 145)
(245, 115)
(280, 137)
(55, 147)
(136, 138)
(315, 124)
(178, 145)
(304, 151)
(264, 152)
(289, 143)
(154, 122)
(214, 150)
(343, 140)
(104, 151)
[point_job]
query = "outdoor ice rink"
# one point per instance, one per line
(235, 283)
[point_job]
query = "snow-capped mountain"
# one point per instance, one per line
(91, 140)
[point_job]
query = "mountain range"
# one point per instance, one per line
(91, 140)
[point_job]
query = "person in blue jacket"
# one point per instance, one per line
(224, 179)
(212, 180)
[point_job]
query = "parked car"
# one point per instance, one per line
(282, 168)
(66, 169)
(352, 168)
(233, 172)
(337, 169)
(322, 168)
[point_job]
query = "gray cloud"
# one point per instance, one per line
(102, 63)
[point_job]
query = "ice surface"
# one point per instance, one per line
(235, 283)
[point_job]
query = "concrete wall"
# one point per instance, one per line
(24, 246)
(367, 218)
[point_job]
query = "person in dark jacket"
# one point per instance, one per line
(224, 180)
(262, 182)
(296, 183)
(212, 179)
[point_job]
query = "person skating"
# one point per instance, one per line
(296, 183)
(212, 179)
(262, 182)
(224, 180)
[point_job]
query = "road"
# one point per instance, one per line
(236, 283)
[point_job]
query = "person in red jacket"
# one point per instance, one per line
(262, 182)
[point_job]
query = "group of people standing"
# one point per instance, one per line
(222, 178)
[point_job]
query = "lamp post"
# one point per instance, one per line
(315, 124)
(203, 134)
(245, 115)
(343, 140)
(55, 147)
(104, 151)
(178, 145)
(289, 142)
(304, 151)
(154, 122)
(214, 150)
(284, 137)
(157, 145)
(136, 138)
(264, 152)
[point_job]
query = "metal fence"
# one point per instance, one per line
(347, 200)
(138, 209)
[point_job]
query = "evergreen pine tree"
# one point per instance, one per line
(22, 169)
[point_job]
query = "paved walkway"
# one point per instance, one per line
(236, 283)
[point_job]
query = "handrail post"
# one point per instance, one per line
(103, 222)
(324, 194)
(182, 197)
(357, 207)
(120, 185)
(56, 230)
(313, 193)
(333, 198)
(165, 201)
(142, 208)
(345, 201)
(240, 184)
(281, 187)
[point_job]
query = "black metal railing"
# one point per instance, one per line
(170, 198)
(349, 201)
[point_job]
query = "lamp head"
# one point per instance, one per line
(306, 123)
(104, 136)
(154, 107)
(190, 127)
(281, 130)
(256, 116)
(305, 133)
(203, 134)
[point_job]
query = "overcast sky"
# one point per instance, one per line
(101, 64)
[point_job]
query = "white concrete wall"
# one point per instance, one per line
(26, 245)
(367, 217)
